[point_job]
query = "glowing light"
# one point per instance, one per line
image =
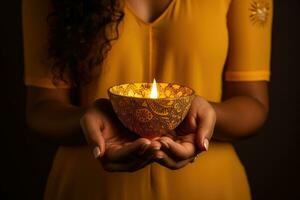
(154, 92)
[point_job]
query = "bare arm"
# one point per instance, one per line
(243, 110)
(51, 115)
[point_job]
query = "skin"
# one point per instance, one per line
(148, 10)
(243, 110)
(51, 114)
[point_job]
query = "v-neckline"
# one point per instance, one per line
(156, 20)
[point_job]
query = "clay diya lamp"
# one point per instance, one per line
(151, 109)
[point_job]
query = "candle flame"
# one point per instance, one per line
(154, 93)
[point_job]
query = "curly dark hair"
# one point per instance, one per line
(80, 36)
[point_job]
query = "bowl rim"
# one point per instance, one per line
(148, 98)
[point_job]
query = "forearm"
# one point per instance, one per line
(56, 121)
(238, 117)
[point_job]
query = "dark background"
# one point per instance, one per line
(271, 158)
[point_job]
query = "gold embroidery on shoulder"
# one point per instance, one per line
(259, 12)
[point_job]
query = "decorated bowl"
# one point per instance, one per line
(147, 116)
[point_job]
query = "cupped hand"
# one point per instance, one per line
(116, 147)
(190, 138)
(176, 151)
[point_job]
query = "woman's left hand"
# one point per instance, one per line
(190, 138)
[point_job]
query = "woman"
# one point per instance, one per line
(95, 44)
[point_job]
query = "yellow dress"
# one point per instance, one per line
(189, 43)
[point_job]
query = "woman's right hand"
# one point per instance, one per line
(116, 147)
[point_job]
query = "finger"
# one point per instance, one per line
(131, 166)
(155, 144)
(205, 130)
(188, 125)
(168, 162)
(178, 150)
(125, 151)
(91, 128)
(146, 158)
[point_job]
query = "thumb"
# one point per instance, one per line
(188, 125)
(91, 127)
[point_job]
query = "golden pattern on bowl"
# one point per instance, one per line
(151, 117)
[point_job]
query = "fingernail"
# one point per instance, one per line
(96, 152)
(159, 157)
(156, 148)
(206, 144)
(165, 143)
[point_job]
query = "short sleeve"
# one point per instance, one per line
(35, 36)
(249, 27)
